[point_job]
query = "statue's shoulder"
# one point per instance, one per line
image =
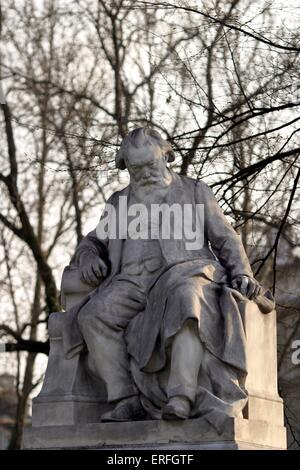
(190, 182)
(201, 191)
(117, 194)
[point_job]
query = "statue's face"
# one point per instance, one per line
(146, 165)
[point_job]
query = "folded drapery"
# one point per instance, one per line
(192, 289)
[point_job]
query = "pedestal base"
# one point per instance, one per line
(198, 434)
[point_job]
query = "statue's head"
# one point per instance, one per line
(145, 155)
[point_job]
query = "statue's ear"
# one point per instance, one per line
(119, 160)
(170, 156)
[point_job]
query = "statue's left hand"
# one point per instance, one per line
(247, 286)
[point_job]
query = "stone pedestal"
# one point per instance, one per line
(191, 434)
(67, 412)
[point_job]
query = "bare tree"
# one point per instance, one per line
(218, 81)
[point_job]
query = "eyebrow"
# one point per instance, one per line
(136, 165)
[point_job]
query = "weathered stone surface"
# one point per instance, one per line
(69, 394)
(189, 434)
(151, 322)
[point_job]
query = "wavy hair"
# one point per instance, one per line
(139, 137)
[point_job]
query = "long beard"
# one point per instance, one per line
(150, 194)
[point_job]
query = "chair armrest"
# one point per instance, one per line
(72, 289)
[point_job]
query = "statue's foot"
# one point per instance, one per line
(128, 409)
(177, 408)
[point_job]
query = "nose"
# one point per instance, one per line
(147, 172)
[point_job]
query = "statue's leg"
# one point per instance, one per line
(186, 356)
(102, 322)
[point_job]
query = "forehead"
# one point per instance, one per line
(143, 155)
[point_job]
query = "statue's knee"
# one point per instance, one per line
(86, 318)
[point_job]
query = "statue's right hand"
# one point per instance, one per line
(93, 271)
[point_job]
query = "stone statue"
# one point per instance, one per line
(162, 327)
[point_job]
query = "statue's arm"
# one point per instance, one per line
(229, 248)
(91, 257)
(89, 246)
(224, 240)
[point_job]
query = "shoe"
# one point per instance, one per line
(127, 409)
(177, 408)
